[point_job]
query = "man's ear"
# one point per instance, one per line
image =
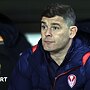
(73, 31)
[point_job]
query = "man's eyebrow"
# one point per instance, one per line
(43, 22)
(55, 24)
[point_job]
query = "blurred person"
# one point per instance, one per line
(12, 43)
(84, 30)
(60, 60)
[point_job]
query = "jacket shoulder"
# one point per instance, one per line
(25, 58)
(87, 68)
(23, 62)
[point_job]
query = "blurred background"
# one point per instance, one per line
(26, 14)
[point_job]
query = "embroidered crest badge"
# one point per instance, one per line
(71, 80)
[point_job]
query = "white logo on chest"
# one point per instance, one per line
(71, 80)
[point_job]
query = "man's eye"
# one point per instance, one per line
(43, 27)
(55, 28)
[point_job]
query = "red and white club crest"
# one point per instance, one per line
(71, 80)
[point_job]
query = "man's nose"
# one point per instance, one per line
(48, 32)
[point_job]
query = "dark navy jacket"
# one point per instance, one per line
(37, 71)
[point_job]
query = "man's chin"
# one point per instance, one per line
(48, 49)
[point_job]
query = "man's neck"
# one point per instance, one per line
(59, 56)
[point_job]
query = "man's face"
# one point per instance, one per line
(55, 33)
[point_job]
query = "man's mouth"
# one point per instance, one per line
(49, 42)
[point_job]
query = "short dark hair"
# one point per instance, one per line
(57, 9)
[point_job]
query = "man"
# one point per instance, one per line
(59, 61)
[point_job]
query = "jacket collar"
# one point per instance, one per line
(73, 58)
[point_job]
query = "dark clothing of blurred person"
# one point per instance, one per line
(12, 43)
(84, 29)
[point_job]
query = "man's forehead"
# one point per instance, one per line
(55, 19)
